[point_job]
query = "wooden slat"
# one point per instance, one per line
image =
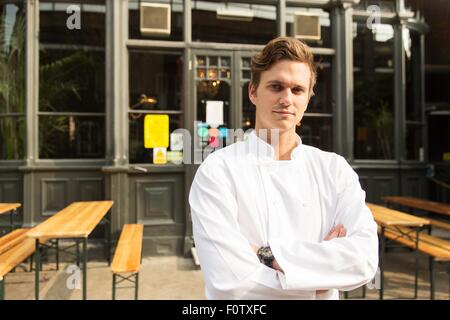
(75, 221)
(6, 207)
(440, 224)
(14, 256)
(127, 257)
(390, 217)
(433, 246)
(422, 204)
(11, 239)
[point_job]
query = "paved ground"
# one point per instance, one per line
(178, 278)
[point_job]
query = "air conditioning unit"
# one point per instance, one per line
(155, 18)
(306, 26)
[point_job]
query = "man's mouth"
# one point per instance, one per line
(283, 112)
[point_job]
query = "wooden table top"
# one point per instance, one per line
(6, 207)
(422, 204)
(390, 217)
(74, 221)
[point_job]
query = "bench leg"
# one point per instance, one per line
(416, 279)
(38, 267)
(31, 263)
(136, 286)
(2, 289)
(78, 253)
(57, 254)
(432, 278)
(382, 256)
(114, 287)
(85, 258)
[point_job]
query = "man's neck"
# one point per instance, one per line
(283, 142)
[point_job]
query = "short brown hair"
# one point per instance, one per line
(283, 48)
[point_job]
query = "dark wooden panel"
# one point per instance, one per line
(54, 195)
(155, 201)
(383, 186)
(10, 190)
(89, 189)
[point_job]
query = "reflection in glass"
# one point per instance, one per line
(12, 79)
(373, 95)
(317, 132)
(158, 76)
(414, 145)
(12, 137)
(246, 23)
(63, 137)
(413, 75)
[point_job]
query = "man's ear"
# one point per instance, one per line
(252, 92)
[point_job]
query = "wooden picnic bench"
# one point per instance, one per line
(389, 218)
(127, 257)
(437, 249)
(76, 221)
(412, 203)
(15, 248)
(10, 208)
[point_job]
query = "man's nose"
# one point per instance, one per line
(286, 97)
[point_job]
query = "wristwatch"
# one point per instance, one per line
(266, 257)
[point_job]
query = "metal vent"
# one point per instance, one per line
(155, 19)
(307, 26)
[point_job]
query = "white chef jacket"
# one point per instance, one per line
(241, 196)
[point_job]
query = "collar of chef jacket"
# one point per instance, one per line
(264, 152)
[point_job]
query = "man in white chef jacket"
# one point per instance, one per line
(274, 218)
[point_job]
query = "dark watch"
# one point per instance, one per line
(265, 255)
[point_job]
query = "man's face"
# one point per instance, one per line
(282, 95)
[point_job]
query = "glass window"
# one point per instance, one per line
(12, 79)
(156, 87)
(72, 81)
(158, 76)
(176, 20)
(324, 22)
(413, 75)
(384, 5)
(233, 22)
(373, 73)
(317, 132)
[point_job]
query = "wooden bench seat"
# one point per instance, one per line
(128, 255)
(11, 239)
(439, 224)
(433, 246)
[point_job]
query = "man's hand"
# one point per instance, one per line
(338, 231)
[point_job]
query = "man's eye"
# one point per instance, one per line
(275, 86)
(297, 90)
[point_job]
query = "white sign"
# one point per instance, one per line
(176, 141)
(214, 113)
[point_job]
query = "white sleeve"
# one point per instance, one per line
(341, 263)
(229, 264)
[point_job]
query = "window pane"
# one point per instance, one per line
(56, 28)
(324, 21)
(139, 154)
(233, 22)
(213, 90)
(12, 138)
(157, 77)
(72, 61)
(12, 57)
(317, 132)
(176, 20)
(384, 5)
(321, 102)
(71, 81)
(374, 92)
(63, 137)
(248, 109)
(413, 76)
(414, 145)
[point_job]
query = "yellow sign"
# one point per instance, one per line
(156, 131)
(446, 156)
